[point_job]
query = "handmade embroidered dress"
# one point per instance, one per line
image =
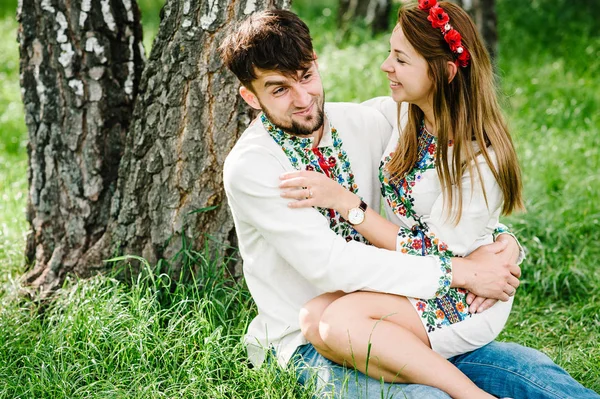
(416, 201)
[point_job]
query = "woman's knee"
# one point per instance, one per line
(339, 317)
(311, 314)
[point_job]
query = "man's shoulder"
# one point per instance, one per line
(253, 151)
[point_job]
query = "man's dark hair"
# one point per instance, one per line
(272, 40)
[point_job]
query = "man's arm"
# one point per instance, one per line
(303, 238)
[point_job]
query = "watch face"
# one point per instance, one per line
(356, 216)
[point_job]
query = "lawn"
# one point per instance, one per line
(154, 338)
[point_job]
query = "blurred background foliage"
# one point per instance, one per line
(549, 75)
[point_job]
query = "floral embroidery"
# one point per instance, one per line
(449, 306)
(331, 160)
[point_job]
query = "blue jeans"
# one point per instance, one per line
(501, 369)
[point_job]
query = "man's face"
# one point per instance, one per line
(292, 103)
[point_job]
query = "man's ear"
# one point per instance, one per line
(452, 69)
(249, 97)
(315, 59)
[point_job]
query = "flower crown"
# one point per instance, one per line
(440, 19)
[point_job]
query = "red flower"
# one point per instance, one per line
(310, 167)
(463, 58)
(438, 17)
(331, 161)
(416, 244)
(421, 306)
(453, 39)
(426, 4)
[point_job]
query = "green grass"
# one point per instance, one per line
(155, 338)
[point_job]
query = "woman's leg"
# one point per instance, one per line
(382, 336)
(310, 317)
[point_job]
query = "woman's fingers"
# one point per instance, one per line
(298, 194)
(294, 182)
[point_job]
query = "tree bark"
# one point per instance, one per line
(186, 118)
(80, 66)
(375, 13)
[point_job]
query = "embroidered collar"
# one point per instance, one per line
(328, 158)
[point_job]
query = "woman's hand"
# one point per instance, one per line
(316, 189)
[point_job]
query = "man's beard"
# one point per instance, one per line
(295, 128)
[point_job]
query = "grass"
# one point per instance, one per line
(155, 338)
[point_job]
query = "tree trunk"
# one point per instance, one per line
(483, 13)
(186, 118)
(375, 13)
(80, 66)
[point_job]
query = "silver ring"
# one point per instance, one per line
(309, 193)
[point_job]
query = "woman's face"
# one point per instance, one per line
(407, 72)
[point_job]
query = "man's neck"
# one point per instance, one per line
(317, 135)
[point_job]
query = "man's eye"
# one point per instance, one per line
(307, 76)
(278, 91)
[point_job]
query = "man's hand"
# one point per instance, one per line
(486, 273)
(478, 304)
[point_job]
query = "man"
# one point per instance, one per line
(291, 256)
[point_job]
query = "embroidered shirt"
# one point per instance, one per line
(291, 255)
(416, 203)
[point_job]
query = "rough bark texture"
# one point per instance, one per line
(375, 13)
(81, 62)
(483, 13)
(80, 66)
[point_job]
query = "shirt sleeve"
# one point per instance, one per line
(302, 237)
(478, 217)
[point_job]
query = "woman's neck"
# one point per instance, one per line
(430, 124)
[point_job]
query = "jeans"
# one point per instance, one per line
(501, 369)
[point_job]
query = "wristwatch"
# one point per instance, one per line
(357, 215)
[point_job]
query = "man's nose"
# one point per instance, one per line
(302, 97)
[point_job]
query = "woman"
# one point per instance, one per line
(445, 180)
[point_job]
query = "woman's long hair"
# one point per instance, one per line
(467, 107)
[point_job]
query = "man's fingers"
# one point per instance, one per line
(515, 270)
(497, 247)
(488, 303)
(476, 304)
(470, 297)
(510, 290)
(514, 282)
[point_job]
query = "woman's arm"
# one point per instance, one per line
(326, 193)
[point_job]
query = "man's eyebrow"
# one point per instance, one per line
(274, 83)
(280, 82)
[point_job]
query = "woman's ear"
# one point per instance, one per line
(452, 69)
(249, 97)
